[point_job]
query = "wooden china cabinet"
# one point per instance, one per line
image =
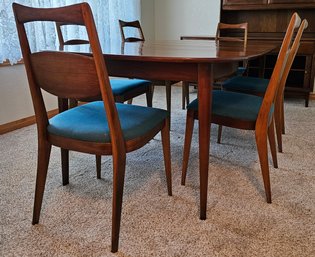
(267, 21)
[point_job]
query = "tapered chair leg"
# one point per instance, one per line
(98, 160)
(73, 103)
(278, 123)
(219, 134)
(149, 96)
(168, 88)
(119, 167)
(185, 94)
(65, 166)
(165, 132)
(282, 117)
(187, 144)
(261, 141)
(272, 143)
(44, 150)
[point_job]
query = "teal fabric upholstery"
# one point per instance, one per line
(121, 86)
(246, 84)
(233, 105)
(88, 122)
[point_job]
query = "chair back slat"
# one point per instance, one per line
(66, 75)
(131, 24)
(61, 39)
(240, 28)
(26, 14)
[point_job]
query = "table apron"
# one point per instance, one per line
(176, 71)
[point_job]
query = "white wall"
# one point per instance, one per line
(15, 98)
(147, 19)
(174, 18)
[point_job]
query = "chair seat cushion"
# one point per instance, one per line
(88, 122)
(121, 86)
(233, 105)
(246, 84)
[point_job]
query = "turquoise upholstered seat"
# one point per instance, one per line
(88, 122)
(233, 105)
(121, 86)
(252, 85)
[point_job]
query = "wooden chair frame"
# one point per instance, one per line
(279, 102)
(224, 26)
(264, 124)
(39, 66)
(131, 24)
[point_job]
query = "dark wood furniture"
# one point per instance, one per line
(196, 61)
(258, 86)
(250, 112)
(131, 24)
(223, 29)
(100, 127)
(140, 38)
(221, 35)
(267, 21)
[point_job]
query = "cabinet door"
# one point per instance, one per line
(291, 1)
(245, 2)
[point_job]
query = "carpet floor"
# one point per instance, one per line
(76, 219)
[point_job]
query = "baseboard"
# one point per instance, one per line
(8, 127)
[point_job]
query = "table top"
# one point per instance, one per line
(182, 51)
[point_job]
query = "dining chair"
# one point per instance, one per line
(249, 112)
(239, 34)
(123, 90)
(258, 86)
(100, 127)
(136, 27)
(236, 33)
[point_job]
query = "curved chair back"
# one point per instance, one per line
(287, 47)
(61, 40)
(291, 55)
(74, 75)
(240, 29)
(131, 24)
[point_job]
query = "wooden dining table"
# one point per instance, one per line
(199, 61)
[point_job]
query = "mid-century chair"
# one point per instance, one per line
(239, 35)
(123, 90)
(249, 112)
(258, 86)
(100, 127)
(140, 38)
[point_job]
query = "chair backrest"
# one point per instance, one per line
(285, 53)
(240, 31)
(292, 53)
(65, 74)
(61, 40)
(131, 24)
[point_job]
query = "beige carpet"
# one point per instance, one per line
(76, 219)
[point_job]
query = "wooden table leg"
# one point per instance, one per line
(205, 73)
